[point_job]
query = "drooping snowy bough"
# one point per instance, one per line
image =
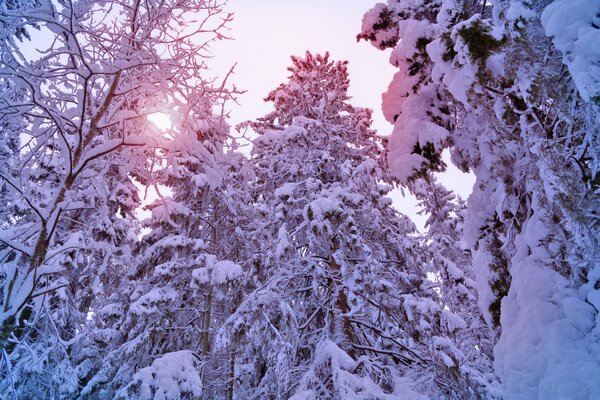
(512, 89)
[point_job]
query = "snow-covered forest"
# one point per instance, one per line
(272, 263)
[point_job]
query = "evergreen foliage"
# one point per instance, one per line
(496, 92)
(343, 292)
(288, 273)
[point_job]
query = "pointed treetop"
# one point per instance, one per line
(316, 89)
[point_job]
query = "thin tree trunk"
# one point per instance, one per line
(231, 374)
(206, 324)
(341, 308)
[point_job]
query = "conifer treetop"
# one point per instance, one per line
(317, 89)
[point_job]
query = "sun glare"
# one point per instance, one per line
(161, 120)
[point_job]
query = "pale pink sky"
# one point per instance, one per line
(267, 32)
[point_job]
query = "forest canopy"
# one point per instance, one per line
(285, 271)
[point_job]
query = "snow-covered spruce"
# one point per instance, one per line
(184, 282)
(520, 111)
(342, 306)
(451, 268)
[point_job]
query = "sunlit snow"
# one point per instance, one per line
(161, 120)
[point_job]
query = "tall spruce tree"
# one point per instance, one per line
(342, 307)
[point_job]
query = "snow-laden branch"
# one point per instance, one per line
(28, 251)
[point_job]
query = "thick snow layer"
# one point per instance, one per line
(452, 322)
(543, 352)
(217, 272)
(410, 31)
(170, 377)
(412, 126)
(458, 80)
(516, 14)
(146, 304)
(371, 18)
(225, 271)
(319, 209)
(282, 241)
(286, 190)
(394, 98)
(573, 24)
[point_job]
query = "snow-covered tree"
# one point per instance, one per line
(451, 268)
(519, 110)
(184, 278)
(74, 107)
(342, 307)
